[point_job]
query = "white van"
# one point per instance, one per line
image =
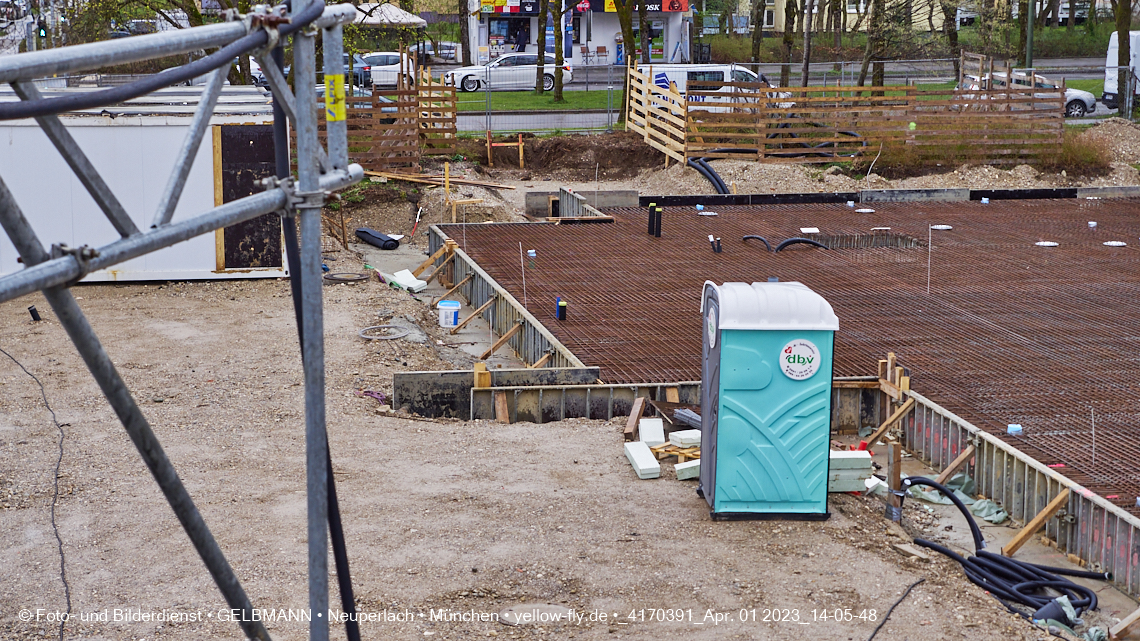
(1111, 74)
(680, 75)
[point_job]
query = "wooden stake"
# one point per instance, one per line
(502, 413)
(482, 376)
(482, 308)
(490, 159)
(955, 465)
(520, 152)
(502, 340)
(894, 474)
(1038, 521)
(891, 420)
(630, 431)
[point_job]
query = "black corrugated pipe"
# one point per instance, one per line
(759, 238)
(721, 187)
(707, 172)
(1010, 580)
(797, 241)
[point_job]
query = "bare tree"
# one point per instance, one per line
(808, 7)
(643, 31)
(543, 13)
(625, 20)
(790, 14)
(558, 9)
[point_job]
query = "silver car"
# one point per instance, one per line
(1077, 102)
(508, 71)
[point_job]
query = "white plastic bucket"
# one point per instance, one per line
(448, 313)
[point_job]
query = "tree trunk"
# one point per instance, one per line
(950, 29)
(558, 10)
(625, 20)
(1072, 21)
(643, 31)
(543, 11)
(757, 32)
(807, 21)
(464, 32)
(789, 35)
(1022, 20)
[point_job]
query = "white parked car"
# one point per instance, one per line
(385, 67)
(508, 71)
(1077, 102)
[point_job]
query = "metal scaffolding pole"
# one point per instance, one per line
(318, 174)
(312, 327)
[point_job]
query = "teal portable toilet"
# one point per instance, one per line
(766, 400)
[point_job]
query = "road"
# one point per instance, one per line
(900, 72)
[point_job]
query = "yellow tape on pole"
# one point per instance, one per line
(334, 97)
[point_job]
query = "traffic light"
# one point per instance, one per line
(43, 29)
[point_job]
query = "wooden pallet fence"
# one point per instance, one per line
(657, 114)
(802, 125)
(437, 114)
(755, 121)
(382, 135)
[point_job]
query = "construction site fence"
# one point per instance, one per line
(391, 129)
(1103, 535)
(532, 342)
(752, 121)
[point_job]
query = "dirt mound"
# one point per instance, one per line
(1120, 137)
(613, 156)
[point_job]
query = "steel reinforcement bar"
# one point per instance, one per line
(532, 342)
(1090, 527)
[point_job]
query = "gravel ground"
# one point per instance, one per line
(471, 517)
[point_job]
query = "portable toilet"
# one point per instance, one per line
(766, 400)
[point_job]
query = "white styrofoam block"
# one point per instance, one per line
(405, 279)
(652, 431)
(688, 469)
(849, 460)
(685, 438)
(642, 460)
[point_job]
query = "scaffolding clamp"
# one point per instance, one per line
(81, 255)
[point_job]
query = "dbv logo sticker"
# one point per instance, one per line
(799, 359)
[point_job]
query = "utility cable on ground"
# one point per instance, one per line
(896, 604)
(55, 492)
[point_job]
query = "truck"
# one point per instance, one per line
(1111, 67)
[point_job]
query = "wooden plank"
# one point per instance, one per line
(1122, 628)
(502, 413)
(431, 259)
(955, 465)
(1036, 523)
(672, 395)
(461, 283)
(855, 384)
(630, 431)
(891, 420)
(438, 270)
(542, 361)
(482, 308)
(502, 340)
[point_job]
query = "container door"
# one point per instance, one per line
(710, 394)
(774, 422)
